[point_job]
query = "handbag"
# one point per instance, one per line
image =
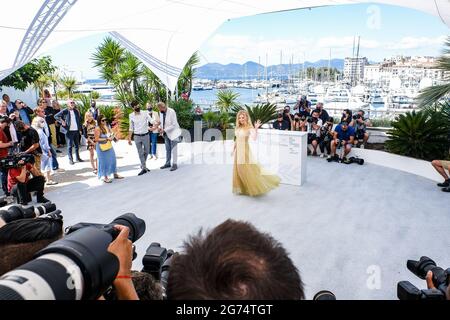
(105, 146)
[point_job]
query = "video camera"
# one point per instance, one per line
(441, 280)
(12, 161)
(76, 267)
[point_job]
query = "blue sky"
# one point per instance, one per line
(310, 34)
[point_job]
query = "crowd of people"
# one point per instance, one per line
(42, 131)
(350, 131)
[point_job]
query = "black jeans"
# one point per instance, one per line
(21, 191)
(325, 144)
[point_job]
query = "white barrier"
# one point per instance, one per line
(414, 166)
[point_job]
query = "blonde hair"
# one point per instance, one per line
(86, 119)
(249, 124)
(35, 122)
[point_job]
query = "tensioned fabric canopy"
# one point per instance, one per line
(162, 33)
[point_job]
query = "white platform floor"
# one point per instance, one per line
(350, 229)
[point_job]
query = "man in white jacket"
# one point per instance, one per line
(170, 129)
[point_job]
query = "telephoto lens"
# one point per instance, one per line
(134, 224)
(324, 295)
(76, 267)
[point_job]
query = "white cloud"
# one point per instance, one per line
(416, 43)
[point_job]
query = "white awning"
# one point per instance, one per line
(162, 33)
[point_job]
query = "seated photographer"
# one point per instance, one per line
(314, 123)
(346, 116)
(287, 116)
(344, 135)
(326, 135)
(280, 123)
(234, 261)
(5, 144)
(296, 124)
(360, 124)
(20, 185)
(29, 142)
(21, 239)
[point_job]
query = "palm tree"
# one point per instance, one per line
(431, 95)
(69, 83)
(184, 84)
(40, 83)
(108, 57)
(227, 99)
(54, 78)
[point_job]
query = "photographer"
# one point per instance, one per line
(5, 144)
(303, 106)
(344, 135)
(360, 124)
(346, 116)
(29, 142)
(314, 125)
(280, 123)
(326, 135)
(287, 116)
(323, 114)
(234, 261)
(20, 185)
(296, 124)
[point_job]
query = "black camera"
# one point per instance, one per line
(157, 261)
(356, 160)
(136, 226)
(12, 161)
(441, 280)
(76, 267)
(17, 212)
(357, 117)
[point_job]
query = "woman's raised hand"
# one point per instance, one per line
(258, 124)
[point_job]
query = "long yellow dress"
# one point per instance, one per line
(249, 178)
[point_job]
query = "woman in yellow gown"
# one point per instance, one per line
(249, 177)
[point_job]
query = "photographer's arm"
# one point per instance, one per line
(122, 248)
(6, 144)
(32, 148)
(23, 174)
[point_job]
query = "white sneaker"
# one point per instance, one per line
(322, 155)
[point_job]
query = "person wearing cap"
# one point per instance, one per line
(280, 123)
(5, 144)
(71, 121)
(343, 135)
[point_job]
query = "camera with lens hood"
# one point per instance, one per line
(441, 280)
(77, 267)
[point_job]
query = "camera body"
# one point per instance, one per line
(157, 261)
(12, 161)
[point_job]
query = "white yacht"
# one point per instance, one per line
(340, 98)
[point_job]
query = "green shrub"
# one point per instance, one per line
(185, 113)
(419, 135)
(265, 112)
